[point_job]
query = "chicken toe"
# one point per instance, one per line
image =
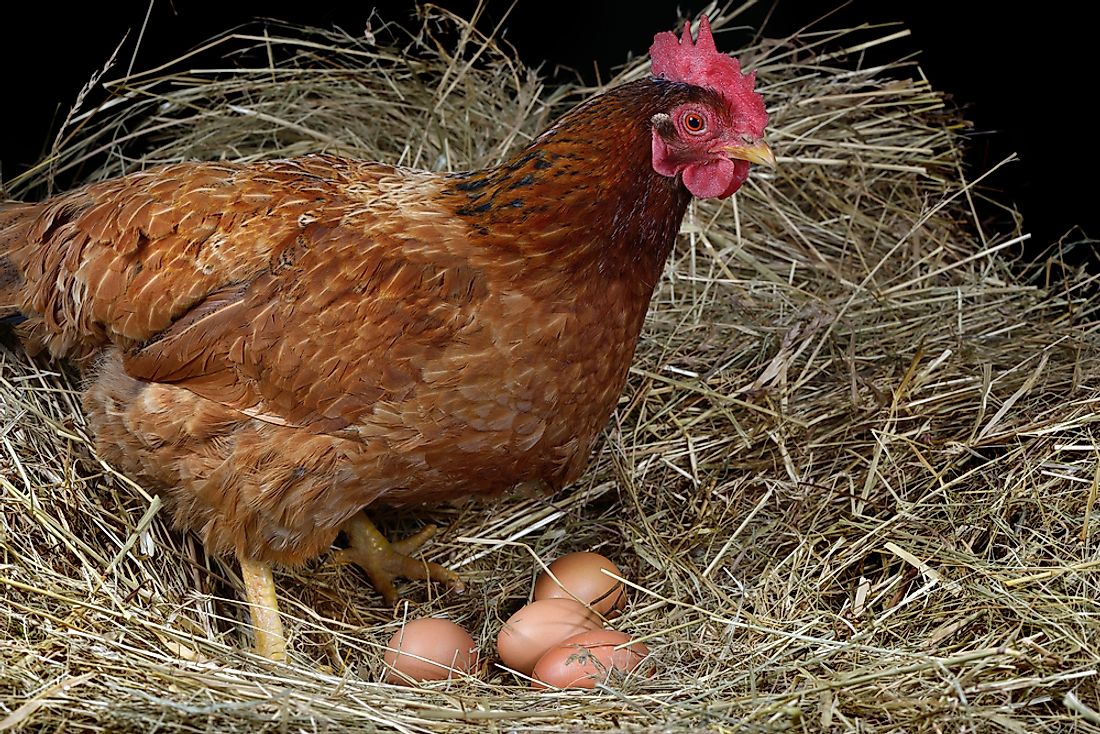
(384, 561)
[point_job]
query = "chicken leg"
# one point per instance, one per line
(259, 586)
(384, 561)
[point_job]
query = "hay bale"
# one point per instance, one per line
(852, 477)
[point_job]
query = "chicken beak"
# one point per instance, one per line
(753, 151)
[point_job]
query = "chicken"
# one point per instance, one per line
(276, 346)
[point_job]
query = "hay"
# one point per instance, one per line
(852, 479)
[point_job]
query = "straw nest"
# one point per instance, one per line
(851, 479)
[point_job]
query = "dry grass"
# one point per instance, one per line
(852, 479)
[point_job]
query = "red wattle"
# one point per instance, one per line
(715, 179)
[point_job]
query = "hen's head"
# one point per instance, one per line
(711, 142)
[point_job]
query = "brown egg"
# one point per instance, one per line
(586, 659)
(580, 575)
(429, 649)
(537, 627)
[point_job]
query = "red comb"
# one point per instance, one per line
(699, 62)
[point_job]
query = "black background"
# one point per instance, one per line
(1022, 77)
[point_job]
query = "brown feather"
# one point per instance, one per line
(278, 345)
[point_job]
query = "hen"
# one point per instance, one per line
(276, 346)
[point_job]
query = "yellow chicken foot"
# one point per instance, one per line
(259, 587)
(384, 561)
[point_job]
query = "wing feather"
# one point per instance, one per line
(305, 292)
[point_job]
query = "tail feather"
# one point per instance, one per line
(15, 218)
(27, 232)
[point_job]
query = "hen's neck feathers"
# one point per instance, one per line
(584, 193)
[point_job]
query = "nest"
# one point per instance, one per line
(852, 479)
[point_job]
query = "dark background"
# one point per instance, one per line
(1018, 77)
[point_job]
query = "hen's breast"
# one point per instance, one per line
(518, 395)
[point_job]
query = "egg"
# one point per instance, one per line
(537, 627)
(588, 658)
(579, 576)
(429, 649)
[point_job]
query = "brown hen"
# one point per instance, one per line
(276, 346)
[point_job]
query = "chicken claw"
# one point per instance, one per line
(384, 561)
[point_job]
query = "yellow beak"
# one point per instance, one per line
(753, 152)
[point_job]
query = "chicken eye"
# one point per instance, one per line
(694, 122)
